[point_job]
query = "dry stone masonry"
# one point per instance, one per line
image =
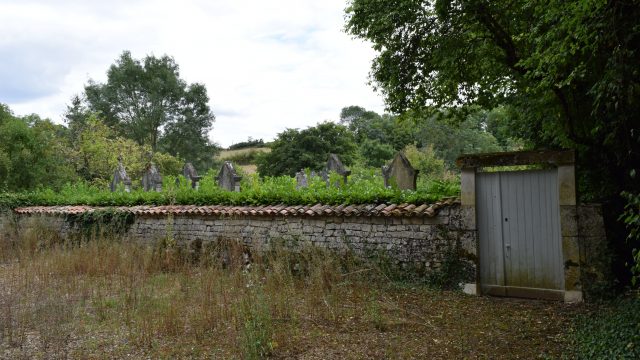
(419, 236)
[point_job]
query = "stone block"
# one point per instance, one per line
(590, 221)
(567, 184)
(468, 187)
(573, 296)
(568, 221)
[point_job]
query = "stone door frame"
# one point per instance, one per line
(564, 161)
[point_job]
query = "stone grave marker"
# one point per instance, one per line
(120, 177)
(301, 180)
(227, 178)
(400, 173)
(151, 179)
(334, 164)
(189, 172)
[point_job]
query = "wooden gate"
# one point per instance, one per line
(520, 242)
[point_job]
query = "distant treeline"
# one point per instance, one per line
(247, 144)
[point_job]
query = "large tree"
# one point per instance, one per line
(147, 101)
(33, 152)
(295, 149)
(567, 68)
(379, 135)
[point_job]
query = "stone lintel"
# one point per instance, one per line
(552, 157)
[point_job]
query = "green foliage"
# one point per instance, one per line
(309, 148)
(247, 144)
(100, 223)
(562, 69)
(631, 218)
(375, 153)
(147, 101)
(611, 333)
(364, 187)
(257, 329)
(97, 149)
(426, 162)
(447, 134)
(33, 152)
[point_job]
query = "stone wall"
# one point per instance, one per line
(595, 254)
(420, 242)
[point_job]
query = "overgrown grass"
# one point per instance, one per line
(107, 297)
(242, 156)
(364, 187)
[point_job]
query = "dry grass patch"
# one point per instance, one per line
(108, 298)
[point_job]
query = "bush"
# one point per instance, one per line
(364, 187)
(631, 218)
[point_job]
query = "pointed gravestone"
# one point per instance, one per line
(227, 178)
(301, 180)
(400, 173)
(120, 177)
(151, 179)
(334, 164)
(324, 175)
(191, 174)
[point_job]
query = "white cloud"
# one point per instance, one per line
(267, 65)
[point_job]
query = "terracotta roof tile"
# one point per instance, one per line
(261, 210)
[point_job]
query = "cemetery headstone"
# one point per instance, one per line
(120, 177)
(227, 178)
(191, 174)
(324, 175)
(334, 164)
(400, 173)
(151, 179)
(301, 180)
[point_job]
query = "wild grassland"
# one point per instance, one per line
(242, 156)
(109, 298)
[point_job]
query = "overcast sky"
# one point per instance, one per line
(267, 65)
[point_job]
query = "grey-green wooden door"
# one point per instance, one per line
(519, 233)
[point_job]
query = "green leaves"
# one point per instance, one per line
(364, 187)
(611, 333)
(631, 218)
(147, 101)
(309, 148)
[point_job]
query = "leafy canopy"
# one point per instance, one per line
(33, 152)
(295, 149)
(147, 101)
(567, 68)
